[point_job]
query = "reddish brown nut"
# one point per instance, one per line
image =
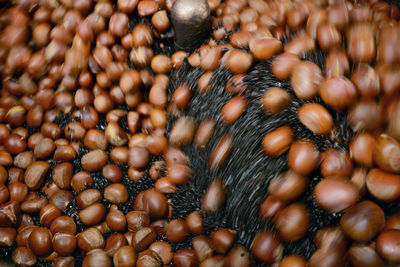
(142, 35)
(203, 247)
(222, 239)
(365, 115)
(118, 24)
(165, 186)
(93, 214)
(209, 58)
(387, 153)
(137, 220)
(164, 250)
(182, 132)
(301, 43)
(288, 186)
(7, 236)
(328, 36)
(90, 239)
(147, 8)
(362, 255)
(152, 202)
(114, 242)
(305, 79)
(265, 48)
(194, 221)
(181, 96)
(130, 81)
(124, 256)
(366, 81)
(138, 157)
(141, 56)
(127, 6)
(233, 109)
(204, 133)
(23, 256)
(62, 174)
(336, 163)
(214, 197)
(336, 63)
(14, 144)
(337, 92)
(275, 100)
(17, 191)
(149, 258)
(61, 199)
(387, 245)
(185, 258)
(363, 221)
(116, 193)
(48, 213)
(361, 149)
(161, 64)
(143, 237)
(383, 185)
(97, 257)
(278, 141)
(361, 44)
(44, 148)
(239, 61)
(39, 241)
(177, 59)
(64, 244)
(303, 156)
(293, 222)
(203, 84)
(176, 230)
(266, 247)
(35, 174)
(335, 194)
(218, 260)
(221, 152)
(283, 65)
(160, 20)
(271, 208)
(94, 160)
(63, 224)
(316, 118)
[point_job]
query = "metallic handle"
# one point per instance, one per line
(191, 22)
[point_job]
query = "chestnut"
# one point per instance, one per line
(293, 261)
(337, 92)
(335, 194)
(288, 186)
(305, 79)
(267, 247)
(387, 153)
(278, 141)
(361, 255)
(176, 230)
(152, 202)
(387, 245)
(293, 222)
(363, 221)
(383, 185)
(275, 100)
(303, 157)
(39, 241)
(214, 197)
(316, 118)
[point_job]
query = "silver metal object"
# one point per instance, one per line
(191, 22)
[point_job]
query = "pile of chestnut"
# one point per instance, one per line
(84, 60)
